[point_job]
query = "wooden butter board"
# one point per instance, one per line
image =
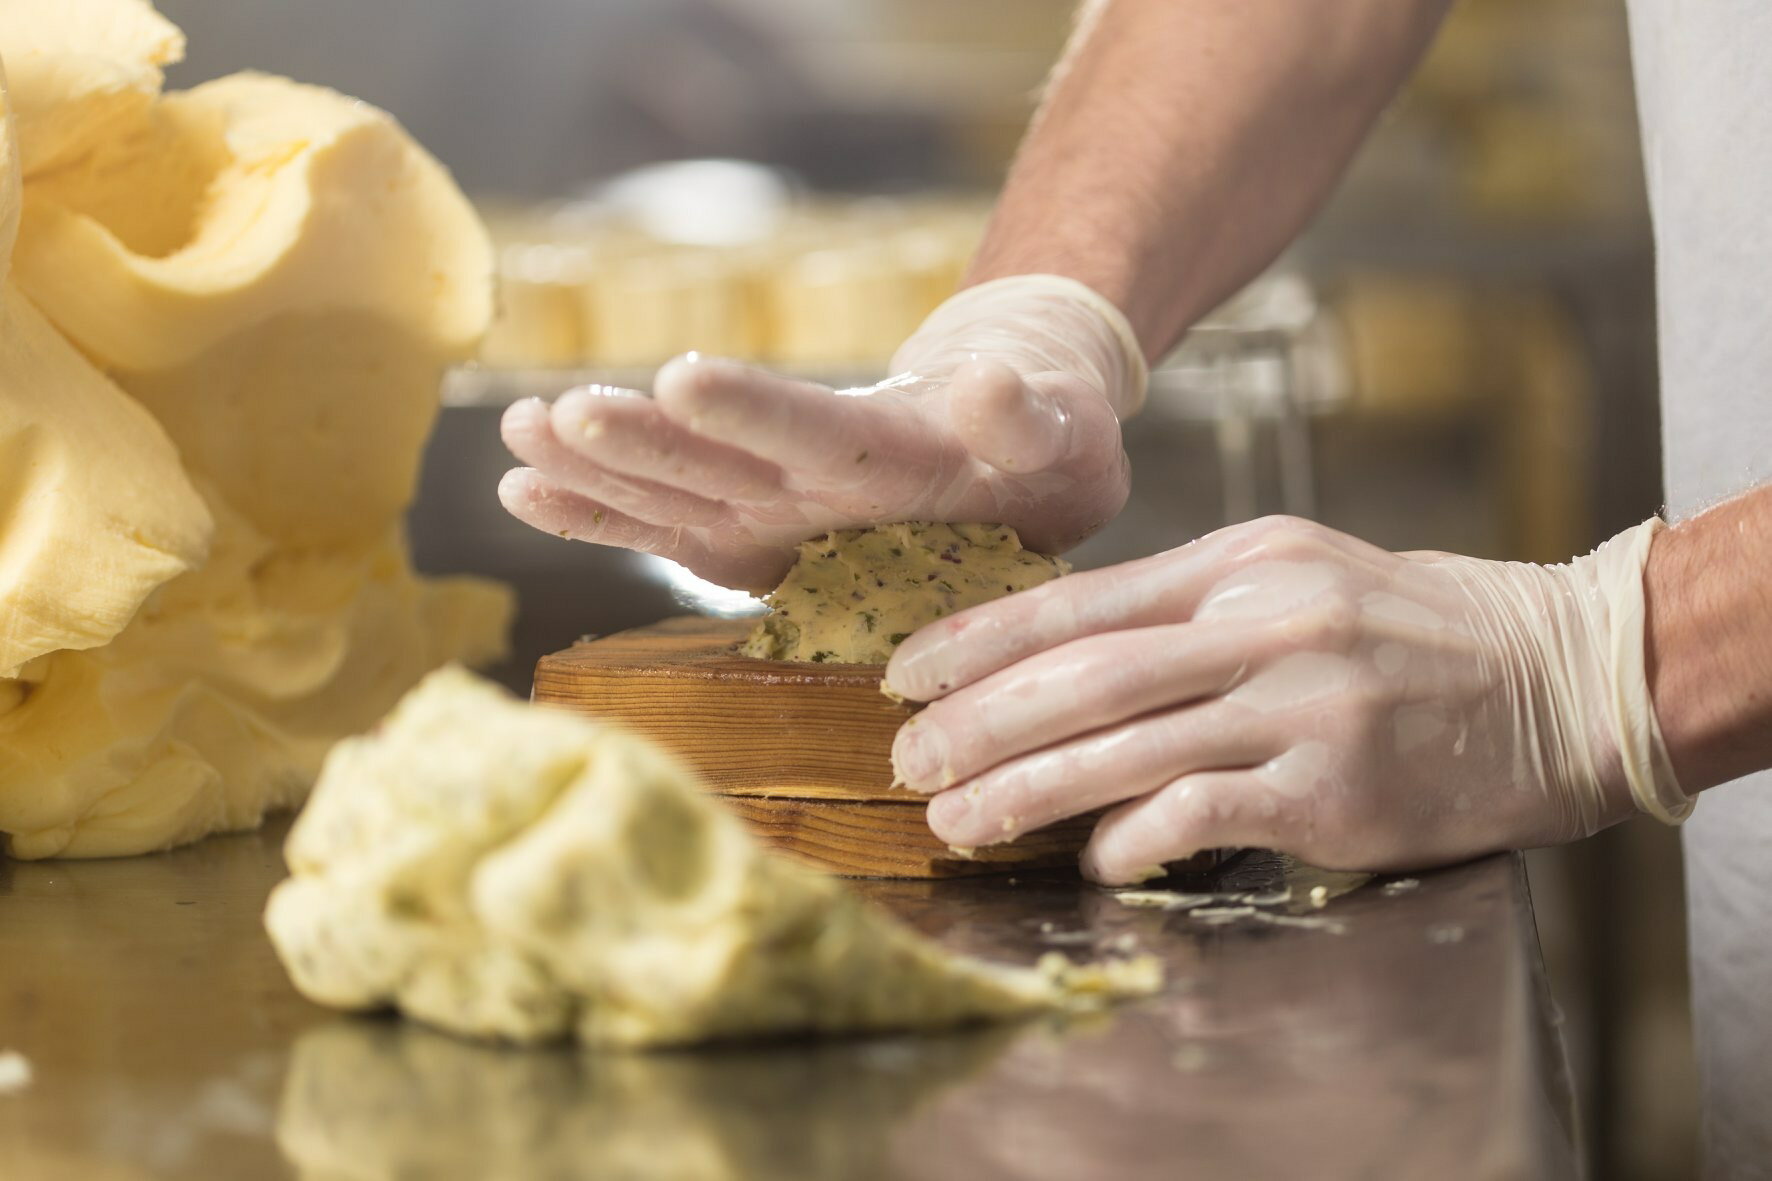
(803, 752)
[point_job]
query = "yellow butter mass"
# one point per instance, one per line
(77, 70)
(854, 595)
(226, 316)
(95, 509)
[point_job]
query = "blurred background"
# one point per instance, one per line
(1459, 354)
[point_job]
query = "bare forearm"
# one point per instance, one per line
(1709, 590)
(1182, 143)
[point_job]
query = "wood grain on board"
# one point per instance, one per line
(802, 751)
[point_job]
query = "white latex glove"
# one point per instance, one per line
(1281, 685)
(1005, 409)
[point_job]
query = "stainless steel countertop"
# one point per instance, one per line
(1411, 1039)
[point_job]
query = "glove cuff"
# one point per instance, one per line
(1614, 573)
(1035, 324)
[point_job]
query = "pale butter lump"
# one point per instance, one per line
(510, 871)
(221, 360)
(88, 482)
(366, 1100)
(854, 595)
(285, 308)
(95, 509)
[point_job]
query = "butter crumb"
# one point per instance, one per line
(1107, 979)
(1221, 914)
(1162, 899)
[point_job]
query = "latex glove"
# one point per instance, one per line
(1005, 409)
(1281, 685)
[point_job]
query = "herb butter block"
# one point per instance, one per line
(855, 594)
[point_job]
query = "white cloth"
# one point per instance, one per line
(1704, 81)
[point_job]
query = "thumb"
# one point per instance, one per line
(1007, 420)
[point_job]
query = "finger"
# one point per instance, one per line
(1067, 691)
(820, 438)
(529, 433)
(1118, 763)
(535, 500)
(959, 650)
(627, 432)
(1166, 588)
(1198, 811)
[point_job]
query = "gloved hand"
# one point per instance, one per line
(1005, 409)
(1282, 685)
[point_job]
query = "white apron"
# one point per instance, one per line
(1704, 84)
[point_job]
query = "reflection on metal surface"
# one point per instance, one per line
(1275, 1052)
(153, 1012)
(377, 1099)
(166, 1042)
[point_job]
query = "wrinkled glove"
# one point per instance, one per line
(1005, 409)
(1282, 685)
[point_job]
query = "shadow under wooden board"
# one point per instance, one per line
(803, 752)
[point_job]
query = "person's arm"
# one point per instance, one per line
(1708, 587)
(1183, 143)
